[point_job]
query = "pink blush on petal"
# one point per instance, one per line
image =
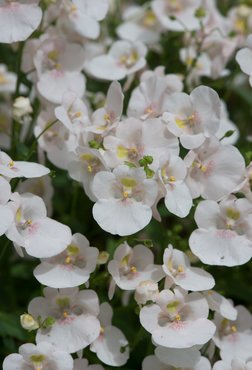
(67, 320)
(226, 234)
(177, 325)
(33, 228)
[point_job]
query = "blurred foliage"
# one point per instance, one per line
(72, 207)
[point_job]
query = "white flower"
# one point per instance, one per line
(234, 337)
(150, 97)
(224, 235)
(139, 24)
(178, 320)
(75, 313)
(83, 16)
(123, 59)
(70, 268)
(132, 266)
(172, 174)
(215, 170)
(106, 118)
(13, 169)
(124, 200)
(178, 270)
(193, 117)
(41, 236)
(41, 356)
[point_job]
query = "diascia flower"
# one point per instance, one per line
(75, 314)
(171, 175)
(18, 19)
(83, 16)
(13, 169)
(134, 139)
(124, 200)
(41, 356)
(178, 270)
(131, 266)
(106, 118)
(123, 59)
(234, 337)
(111, 347)
(140, 24)
(178, 319)
(224, 234)
(193, 117)
(40, 235)
(70, 268)
(215, 170)
(150, 97)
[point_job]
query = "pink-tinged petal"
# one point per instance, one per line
(122, 217)
(18, 21)
(184, 334)
(72, 333)
(220, 247)
(46, 238)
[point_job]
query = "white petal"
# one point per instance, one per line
(121, 217)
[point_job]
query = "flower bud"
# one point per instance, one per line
(28, 322)
(21, 107)
(103, 258)
(146, 291)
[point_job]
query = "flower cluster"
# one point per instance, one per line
(158, 140)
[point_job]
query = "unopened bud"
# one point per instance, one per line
(28, 322)
(21, 107)
(102, 258)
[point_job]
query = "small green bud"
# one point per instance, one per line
(48, 322)
(200, 12)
